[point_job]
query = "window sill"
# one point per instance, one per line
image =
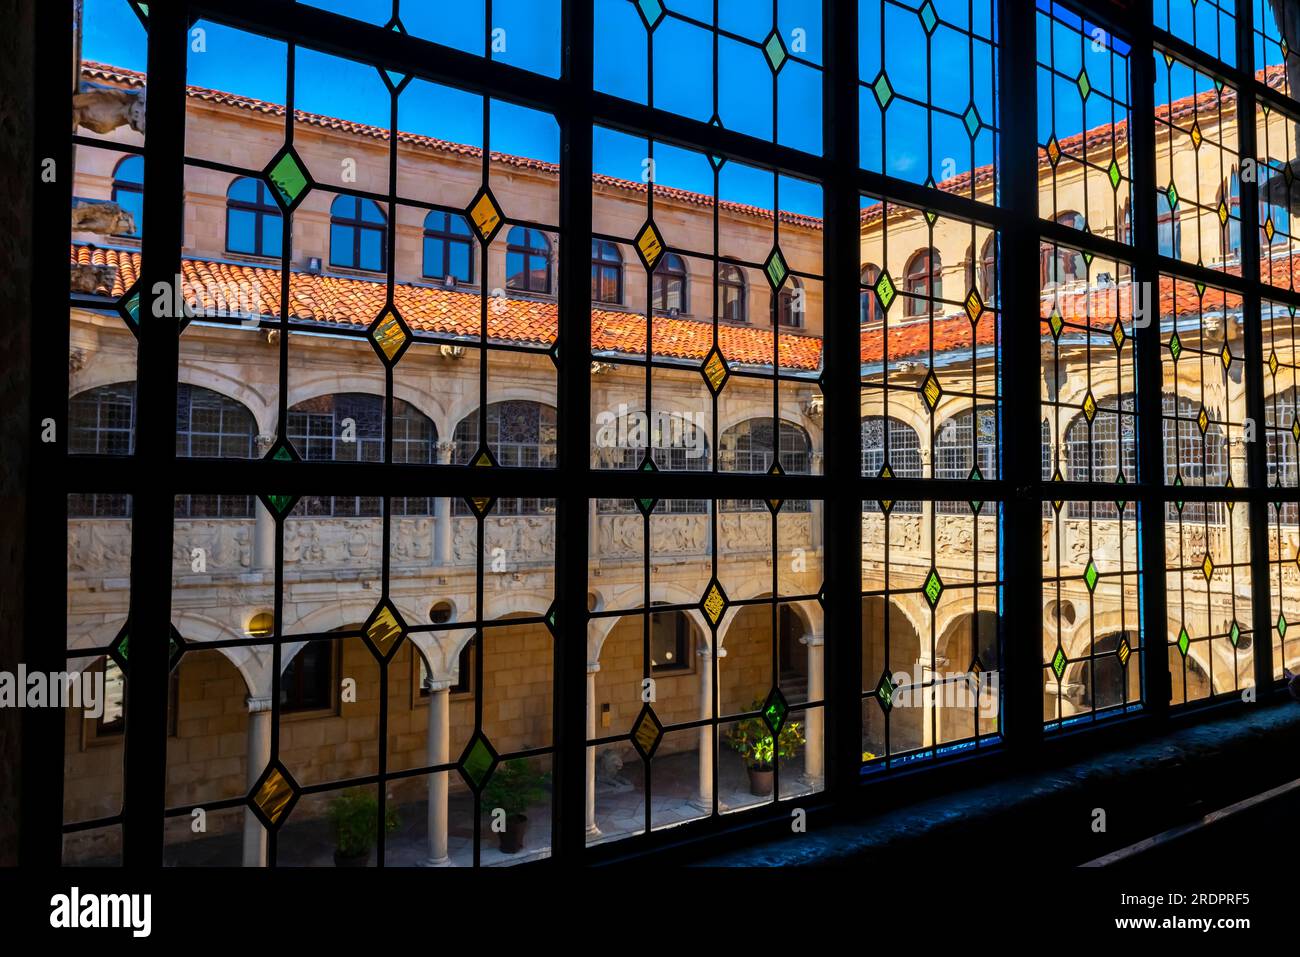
(1149, 787)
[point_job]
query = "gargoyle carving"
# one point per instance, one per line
(93, 280)
(104, 109)
(102, 219)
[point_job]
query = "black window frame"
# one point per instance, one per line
(573, 483)
(260, 208)
(519, 242)
(446, 237)
(357, 226)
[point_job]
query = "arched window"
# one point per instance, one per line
(101, 421)
(1193, 457)
(1277, 213)
(1048, 465)
(448, 247)
(965, 442)
(128, 191)
(673, 639)
(1061, 264)
(731, 294)
(675, 442)
(904, 454)
(1230, 233)
(357, 234)
(606, 272)
(253, 223)
(923, 282)
(669, 285)
(307, 682)
(528, 260)
(749, 447)
(1100, 452)
(868, 304)
(988, 270)
(1169, 237)
(349, 427)
(1280, 411)
(789, 305)
(520, 433)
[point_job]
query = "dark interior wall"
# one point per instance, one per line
(16, 120)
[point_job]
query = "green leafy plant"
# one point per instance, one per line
(515, 786)
(752, 739)
(352, 817)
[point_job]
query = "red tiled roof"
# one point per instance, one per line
(118, 75)
(451, 313)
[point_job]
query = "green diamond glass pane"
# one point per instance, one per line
(280, 502)
(1281, 627)
(775, 711)
(133, 308)
(282, 454)
(1234, 634)
(929, 19)
(478, 761)
(1175, 346)
(933, 587)
(123, 646)
(774, 50)
(885, 290)
(652, 10)
(885, 692)
(1184, 641)
(1113, 173)
(884, 92)
(1058, 663)
(1172, 194)
(972, 120)
(1084, 84)
(288, 178)
(776, 269)
(1090, 575)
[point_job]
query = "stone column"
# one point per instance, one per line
(442, 517)
(704, 794)
(439, 752)
(264, 530)
(814, 718)
(592, 670)
(258, 757)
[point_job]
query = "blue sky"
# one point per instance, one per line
(683, 66)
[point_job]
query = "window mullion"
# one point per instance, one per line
(842, 437)
(1150, 373)
(144, 790)
(1256, 451)
(574, 395)
(1021, 619)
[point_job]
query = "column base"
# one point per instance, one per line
(436, 862)
(594, 831)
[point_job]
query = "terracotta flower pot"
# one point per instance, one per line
(511, 840)
(760, 781)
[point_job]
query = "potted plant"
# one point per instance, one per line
(352, 817)
(514, 787)
(752, 739)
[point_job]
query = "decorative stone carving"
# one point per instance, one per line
(102, 219)
(227, 545)
(104, 109)
(91, 280)
(100, 546)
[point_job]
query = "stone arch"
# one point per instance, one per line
(260, 405)
(902, 726)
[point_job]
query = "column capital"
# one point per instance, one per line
(258, 705)
(813, 639)
(433, 687)
(593, 667)
(705, 652)
(264, 443)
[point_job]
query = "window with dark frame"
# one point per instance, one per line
(1133, 417)
(254, 225)
(528, 260)
(358, 234)
(448, 247)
